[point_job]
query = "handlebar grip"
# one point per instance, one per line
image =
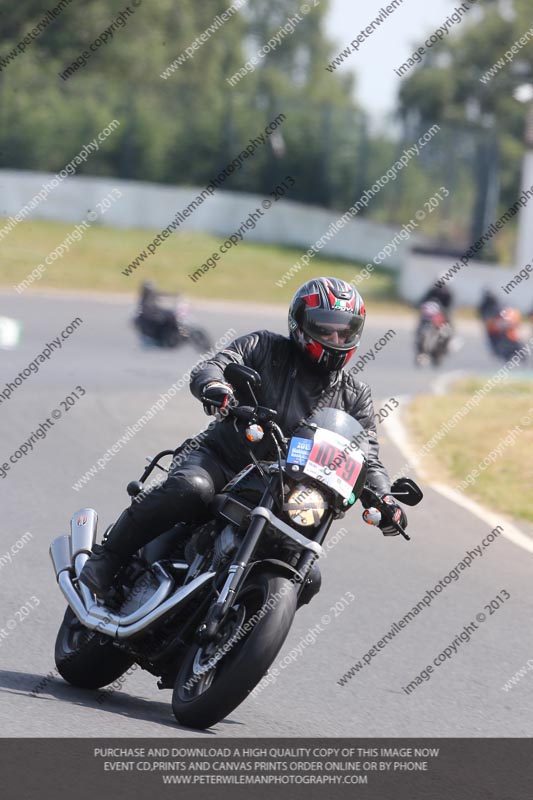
(385, 511)
(245, 413)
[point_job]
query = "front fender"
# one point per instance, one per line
(274, 565)
(305, 591)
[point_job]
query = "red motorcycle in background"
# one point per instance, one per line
(503, 332)
(502, 326)
(433, 334)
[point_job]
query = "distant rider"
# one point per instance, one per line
(154, 320)
(441, 295)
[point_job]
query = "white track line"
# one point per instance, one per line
(398, 434)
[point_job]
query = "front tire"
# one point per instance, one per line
(213, 693)
(84, 658)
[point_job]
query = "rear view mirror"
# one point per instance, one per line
(242, 377)
(407, 491)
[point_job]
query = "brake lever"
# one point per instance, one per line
(401, 531)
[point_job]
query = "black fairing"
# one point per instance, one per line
(338, 421)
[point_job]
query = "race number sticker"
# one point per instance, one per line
(334, 463)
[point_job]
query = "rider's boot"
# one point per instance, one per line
(122, 541)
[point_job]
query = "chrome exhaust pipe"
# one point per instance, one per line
(61, 555)
(83, 525)
(69, 554)
(121, 627)
(66, 549)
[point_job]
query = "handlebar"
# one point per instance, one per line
(247, 414)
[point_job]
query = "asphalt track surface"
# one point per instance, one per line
(388, 576)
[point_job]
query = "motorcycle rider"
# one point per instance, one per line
(441, 295)
(489, 305)
(326, 320)
(154, 319)
(489, 310)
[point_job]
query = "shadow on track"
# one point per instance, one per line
(119, 703)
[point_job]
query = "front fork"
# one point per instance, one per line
(209, 629)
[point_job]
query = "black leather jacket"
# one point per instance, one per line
(294, 388)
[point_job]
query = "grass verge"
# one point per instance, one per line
(486, 432)
(247, 272)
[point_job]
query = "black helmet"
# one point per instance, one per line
(326, 320)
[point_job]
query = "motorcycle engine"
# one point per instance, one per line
(225, 545)
(143, 588)
(200, 542)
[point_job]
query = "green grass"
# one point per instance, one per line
(246, 273)
(506, 483)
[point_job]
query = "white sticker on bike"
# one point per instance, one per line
(334, 462)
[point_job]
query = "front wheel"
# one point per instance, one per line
(86, 659)
(215, 678)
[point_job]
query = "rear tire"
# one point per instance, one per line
(84, 658)
(224, 687)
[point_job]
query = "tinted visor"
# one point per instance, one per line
(337, 330)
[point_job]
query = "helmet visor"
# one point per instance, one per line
(337, 330)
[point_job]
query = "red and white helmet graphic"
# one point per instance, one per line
(326, 320)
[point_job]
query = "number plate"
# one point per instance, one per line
(333, 463)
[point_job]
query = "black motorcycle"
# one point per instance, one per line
(207, 608)
(167, 325)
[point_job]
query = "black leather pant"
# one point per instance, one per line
(183, 497)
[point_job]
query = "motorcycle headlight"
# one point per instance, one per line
(305, 505)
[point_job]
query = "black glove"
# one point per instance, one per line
(217, 396)
(398, 515)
